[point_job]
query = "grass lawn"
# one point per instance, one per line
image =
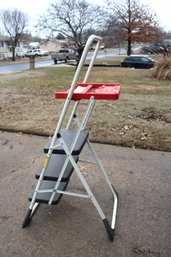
(140, 118)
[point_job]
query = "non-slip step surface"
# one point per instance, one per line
(69, 137)
(44, 197)
(54, 168)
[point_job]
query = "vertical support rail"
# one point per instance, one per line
(108, 183)
(91, 62)
(87, 73)
(72, 114)
(109, 227)
(75, 79)
(109, 230)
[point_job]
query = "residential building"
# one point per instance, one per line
(51, 45)
(5, 48)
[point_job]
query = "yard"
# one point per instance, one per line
(141, 118)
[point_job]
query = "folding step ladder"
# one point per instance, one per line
(63, 150)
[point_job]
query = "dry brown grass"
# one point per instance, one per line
(140, 118)
(162, 69)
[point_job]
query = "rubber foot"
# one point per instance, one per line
(27, 219)
(109, 230)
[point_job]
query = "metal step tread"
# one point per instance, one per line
(44, 197)
(54, 168)
(69, 137)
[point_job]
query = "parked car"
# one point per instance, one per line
(152, 49)
(138, 61)
(94, 46)
(64, 55)
(36, 52)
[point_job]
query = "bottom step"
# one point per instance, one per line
(44, 197)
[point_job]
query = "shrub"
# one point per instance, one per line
(162, 69)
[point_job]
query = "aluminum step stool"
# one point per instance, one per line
(63, 150)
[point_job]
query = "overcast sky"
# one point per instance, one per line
(35, 8)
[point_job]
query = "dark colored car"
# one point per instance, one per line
(138, 61)
(153, 49)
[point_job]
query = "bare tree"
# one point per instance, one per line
(14, 23)
(74, 19)
(115, 32)
(136, 21)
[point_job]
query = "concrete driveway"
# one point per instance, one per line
(73, 228)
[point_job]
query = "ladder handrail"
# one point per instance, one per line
(77, 73)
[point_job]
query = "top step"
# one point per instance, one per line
(98, 91)
(69, 137)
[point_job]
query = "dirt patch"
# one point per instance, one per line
(151, 114)
(139, 251)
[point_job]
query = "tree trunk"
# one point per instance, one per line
(129, 46)
(129, 28)
(13, 54)
(80, 51)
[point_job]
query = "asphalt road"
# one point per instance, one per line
(24, 65)
(21, 66)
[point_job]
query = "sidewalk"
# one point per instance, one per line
(73, 228)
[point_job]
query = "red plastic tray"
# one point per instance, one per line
(98, 91)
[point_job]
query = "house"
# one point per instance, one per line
(54, 45)
(51, 45)
(5, 47)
